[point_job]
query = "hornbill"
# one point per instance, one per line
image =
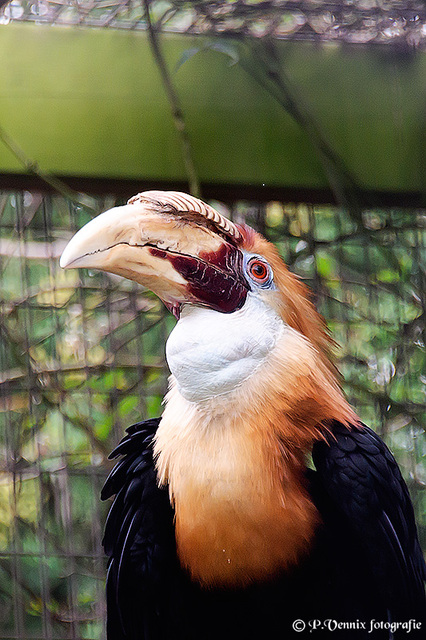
(258, 505)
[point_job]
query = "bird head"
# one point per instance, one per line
(186, 252)
(229, 288)
(175, 245)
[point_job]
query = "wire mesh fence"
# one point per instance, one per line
(354, 21)
(81, 358)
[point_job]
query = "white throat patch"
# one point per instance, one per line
(210, 353)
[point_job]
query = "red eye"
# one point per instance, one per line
(259, 271)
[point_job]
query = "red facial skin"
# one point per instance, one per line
(215, 279)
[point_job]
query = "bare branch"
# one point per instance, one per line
(177, 113)
(32, 167)
(32, 250)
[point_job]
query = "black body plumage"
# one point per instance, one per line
(365, 572)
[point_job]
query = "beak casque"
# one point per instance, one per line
(175, 245)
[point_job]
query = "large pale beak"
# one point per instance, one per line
(173, 244)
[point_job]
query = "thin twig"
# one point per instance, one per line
(32, 167)
(16, 374)
(264, 66)
(176, 109)
(31, 250)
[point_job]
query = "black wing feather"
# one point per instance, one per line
(362, 480)
(138, 539)
(369, 536)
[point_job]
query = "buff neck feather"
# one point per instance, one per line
(235, 465)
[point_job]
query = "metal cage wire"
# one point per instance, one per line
(354, 21)
(81, 358)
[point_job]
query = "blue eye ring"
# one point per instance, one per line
(259, 271)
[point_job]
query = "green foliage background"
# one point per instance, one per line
(82, 358)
